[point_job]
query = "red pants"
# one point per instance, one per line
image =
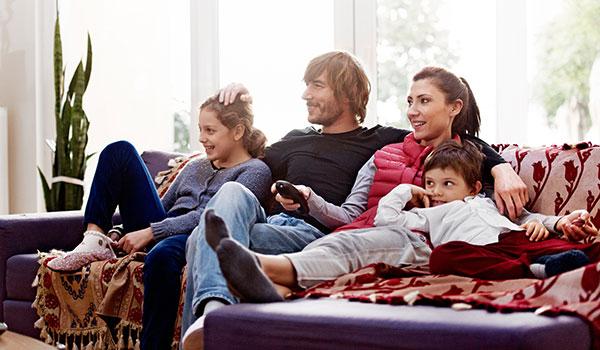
(507, 259)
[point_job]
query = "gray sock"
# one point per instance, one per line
(244, 275)
(214, 229)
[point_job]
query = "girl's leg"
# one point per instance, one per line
(162, 285)
(122, 179)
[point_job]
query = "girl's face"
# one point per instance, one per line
(220, 142)
(429, 114)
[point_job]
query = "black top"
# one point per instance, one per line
(329, 163)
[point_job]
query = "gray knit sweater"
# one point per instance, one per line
(186, 198)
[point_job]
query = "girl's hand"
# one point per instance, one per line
(577, 225)
(135, 241)
(287, 203)
(535, 231)
(421, 198)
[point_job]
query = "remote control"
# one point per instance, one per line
(289, 191)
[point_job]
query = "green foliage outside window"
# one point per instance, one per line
(409, 37)
(569, 46)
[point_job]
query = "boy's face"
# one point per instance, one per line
(447, 186)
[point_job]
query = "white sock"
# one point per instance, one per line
(538, 270)
(212, 305)
(93, 241)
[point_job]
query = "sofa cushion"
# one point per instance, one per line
(339, 324)
(20, 273)
(559, 179)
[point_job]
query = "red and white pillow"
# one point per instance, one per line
(560, 179)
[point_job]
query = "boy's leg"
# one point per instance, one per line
(346, 251)
(162, 285)
(509, 258)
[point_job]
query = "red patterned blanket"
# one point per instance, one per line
(573, 293)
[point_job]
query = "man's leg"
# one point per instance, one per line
(162, 286)
(240, 209)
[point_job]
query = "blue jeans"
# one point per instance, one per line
(122, 179)
(249, 225)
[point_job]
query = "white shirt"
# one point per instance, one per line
(475, 220)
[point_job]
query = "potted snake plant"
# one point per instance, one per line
(64, 191)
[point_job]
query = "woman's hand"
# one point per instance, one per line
(287, 203)
(510, 192)
(421, 198)
(228, 94)
(535, 230)
(577, 225)
(135, 241)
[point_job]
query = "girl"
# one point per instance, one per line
(162, 226)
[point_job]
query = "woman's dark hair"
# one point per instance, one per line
(455, 88)
(239, 112)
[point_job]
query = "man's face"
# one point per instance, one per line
(447, 186)
(323, 108)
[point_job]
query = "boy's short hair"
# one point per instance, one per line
(465, 159)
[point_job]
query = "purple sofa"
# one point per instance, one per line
(22, 235)
(298, 324)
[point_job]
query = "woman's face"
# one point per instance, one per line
(219, 141)
(429, 114)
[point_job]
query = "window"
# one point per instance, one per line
(266, 45)
(530, 63)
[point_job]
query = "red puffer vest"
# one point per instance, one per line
(398, 163)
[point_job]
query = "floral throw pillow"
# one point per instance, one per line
(560, 179)
(165, 178)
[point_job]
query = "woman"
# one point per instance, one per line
(232, 145)
(441, 107)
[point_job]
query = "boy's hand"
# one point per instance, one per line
(535, 231)
(420, 197)
(577, 225)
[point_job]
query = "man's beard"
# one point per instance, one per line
(328, 115)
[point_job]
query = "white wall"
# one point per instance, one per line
(123, 100)
(22, 48)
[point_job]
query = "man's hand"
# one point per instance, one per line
(135, 241)
(577, 225)
(421, 198)
(287, 203)
(510, 192)
(228, 94)
(535, 231)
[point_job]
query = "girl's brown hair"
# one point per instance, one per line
(239, 112)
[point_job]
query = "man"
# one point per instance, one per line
(325, 161)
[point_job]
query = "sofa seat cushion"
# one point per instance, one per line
(340, 324)
(20, 273)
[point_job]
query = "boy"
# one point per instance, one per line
(453, 211)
